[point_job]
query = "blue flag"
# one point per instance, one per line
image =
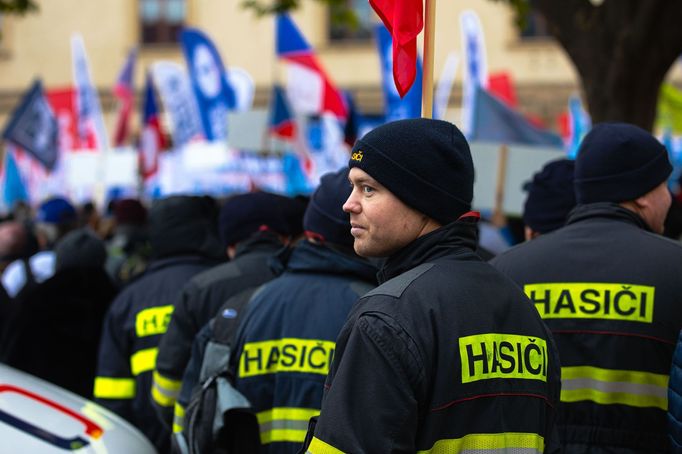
(395, 107)
(493, 121)
(34, 128)
(209, 81)
(14, 189)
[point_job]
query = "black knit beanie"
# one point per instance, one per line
(550, 196)
(243, 215)
(324, 215)
(425, 163)
(619, 162)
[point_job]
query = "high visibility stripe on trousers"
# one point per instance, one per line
(285, 424)
(490, 443)
(114, 388)
(165, 391)
(612, 386)
(178, 418)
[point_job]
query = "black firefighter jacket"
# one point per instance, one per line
(609, 290)
(446, 354)
(198, 303)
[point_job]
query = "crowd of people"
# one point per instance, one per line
(368, 317)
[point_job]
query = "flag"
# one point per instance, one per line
(33, 127)
(309, 89)
(176, 95)
(404, 20)
(475, 65)
(282, 124)
(151, 139)
(62, 103)
(444, 87)
(669, 109)
(14, 188)
(500, 84)
(579, 124)
(90, 120)
(213, 93)
(396, 106)
(125, 92)
(493, 121)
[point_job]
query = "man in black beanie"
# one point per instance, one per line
(446, 354)
(608, 286)
(285, 342)
(253, 227)
(550, 198)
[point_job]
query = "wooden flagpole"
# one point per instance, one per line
(427, 77)
(499, 219)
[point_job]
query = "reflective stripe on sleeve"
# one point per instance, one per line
(285, 424)
(318, 446)
(518, 443)
(143, 361)
(610, 386)
(164, 390)
(178, 418)
(114, 388)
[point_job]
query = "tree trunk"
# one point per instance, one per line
(622, 50)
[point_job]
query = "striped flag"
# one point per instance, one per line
(152, 138)
(125, 92)
(282, 124)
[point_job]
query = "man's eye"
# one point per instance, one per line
(367, 189)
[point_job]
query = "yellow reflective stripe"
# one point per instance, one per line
(285, 424)
(614, 375)
(114, 388)
(489, 443)
(154, 320)
(178, 418)
(613, 386)
(318, 446)
(167, 383)
(299, 414)
(143, 361)
(161, 398)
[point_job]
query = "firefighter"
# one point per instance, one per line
(607, 285)
(446, 354)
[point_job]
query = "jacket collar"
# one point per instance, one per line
(455, 239)
(606, 210)
(307, 257)
(260, 241)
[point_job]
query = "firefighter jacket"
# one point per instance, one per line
(198, 302)
(446, 355)
(609, 290)
(285, 343)
(675, 399)
(135, 322)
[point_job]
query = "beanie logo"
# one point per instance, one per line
(357, 156)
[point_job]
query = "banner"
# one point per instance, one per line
(90, 120)
(209, 82)
(244, 88)
(475, 65)
(33, 127)
(444, 87)
(395, 106)
(176, 94)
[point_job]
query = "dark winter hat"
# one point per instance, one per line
(618, 162)
(425, 163)
(325, 215)
(56, 211)
(130, 211)
(243, 215)
(550, 196)
(80, 248)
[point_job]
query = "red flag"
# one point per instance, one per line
(404, 19)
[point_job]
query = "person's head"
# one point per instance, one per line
(80, 248)
(325, 220)
(13, 240)
(408, 178)
(624, 164)
(129, 212)
(550, 198)
(55, 218)
(244, 215)
(184, 225)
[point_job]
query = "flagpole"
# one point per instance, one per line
(427, 82)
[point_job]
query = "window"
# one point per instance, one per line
(344, 32)
(161, 20)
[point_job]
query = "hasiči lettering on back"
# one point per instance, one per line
(628, 302)
(286, 355)
(494, 355)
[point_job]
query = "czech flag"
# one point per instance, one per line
(152, 139)
(314, 86)
(282, 124)
(125, 92)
